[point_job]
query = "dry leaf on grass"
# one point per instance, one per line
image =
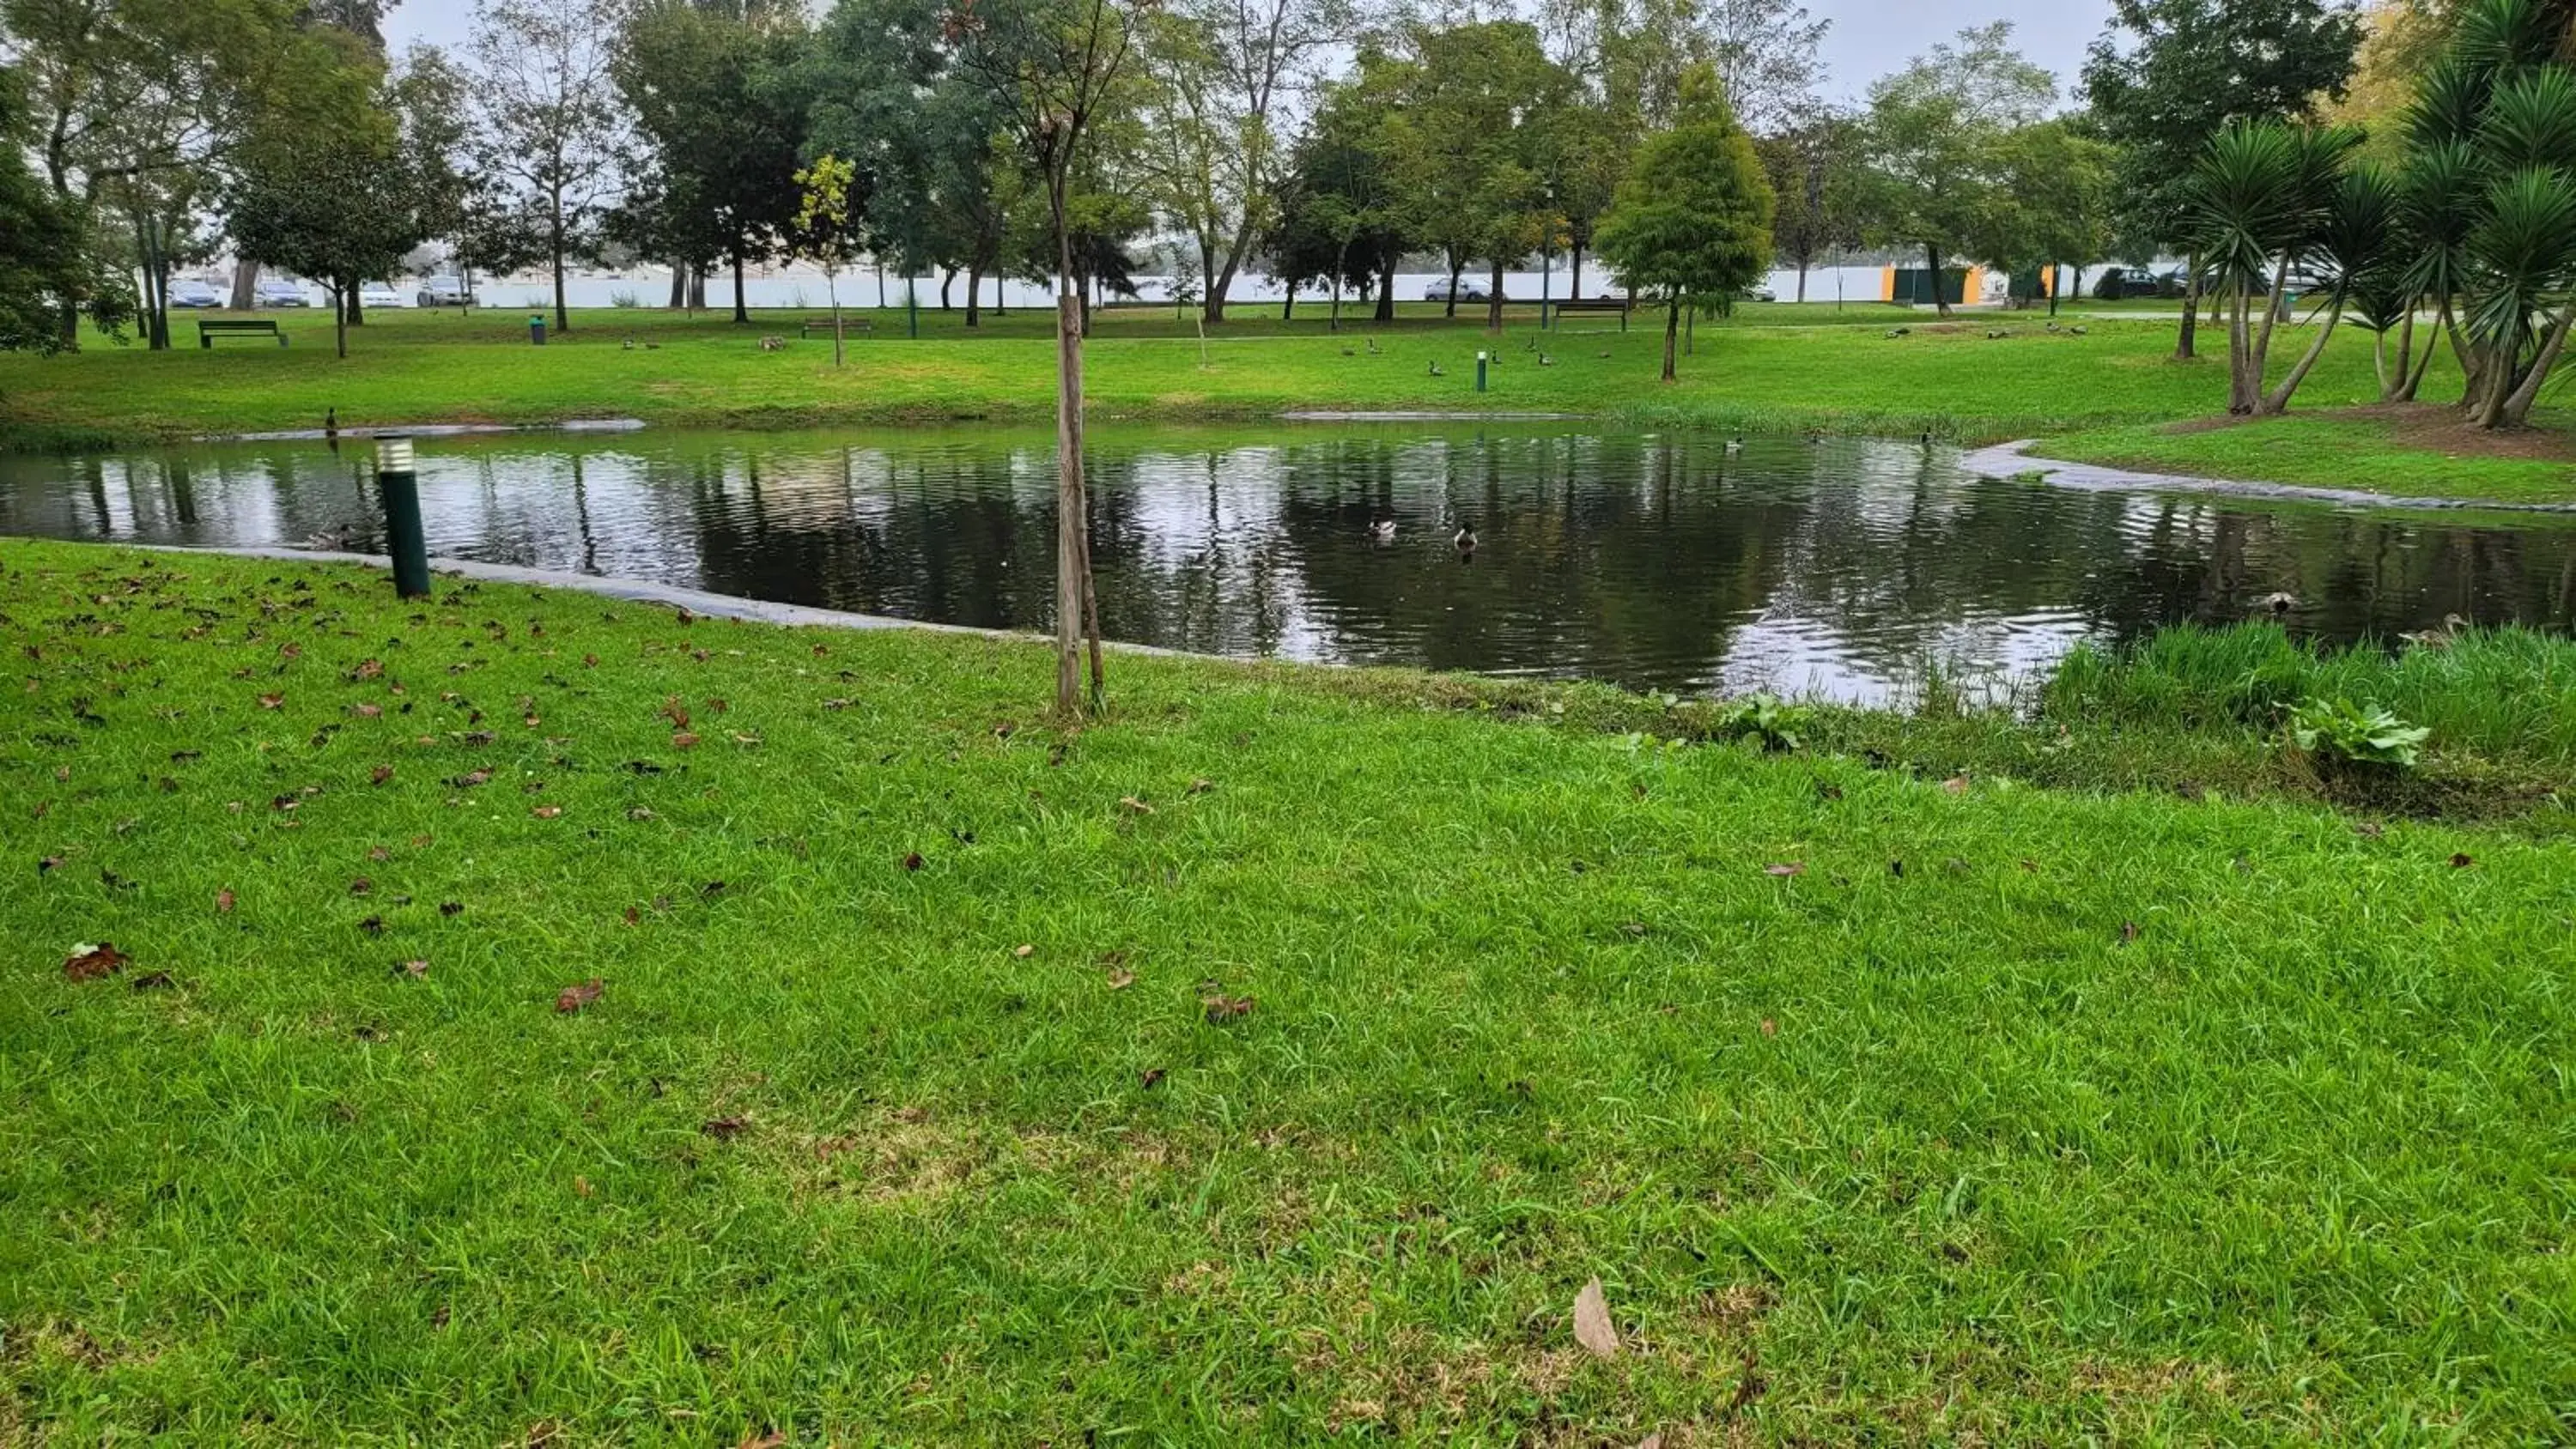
(574, 998)
(1222, 1008)
(89, 962)
(224, 902)
(1786, 868)
(1592, 1322)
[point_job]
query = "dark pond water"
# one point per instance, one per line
(1655, 561)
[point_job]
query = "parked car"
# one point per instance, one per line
(279, 292)
(374, 295)
(2119, 283)
(1467, 292)
(195, 294)
(1757, 294)
(444, 291)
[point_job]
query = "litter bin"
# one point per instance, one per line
(537, 329)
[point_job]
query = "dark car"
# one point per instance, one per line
(2118, 284)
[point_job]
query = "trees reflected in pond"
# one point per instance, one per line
(1652, 560)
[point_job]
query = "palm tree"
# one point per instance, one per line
(2352, 239)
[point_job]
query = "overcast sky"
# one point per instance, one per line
(1869, 37)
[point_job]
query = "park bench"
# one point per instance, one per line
(208, 331)
(855, 326)
(1620, 305)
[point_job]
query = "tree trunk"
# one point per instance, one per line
(2272, 313)
(974, 296)
(679, 286)
(1494, 302)
(2277, 401)
(1218, 283)
(946, 276)
(1802, 278)
(2190, 312)
(1456, 265)
(2390, 388)
(555, 242)
(1076, 610)
(2048, 284)
(2432, 344)
(832, 285)
(1940, 291)
(2240, 346)
(1672, 334)
(2517, 406)
(1386, 291)
(1576, 286)
(342, 294)
(1288, 304)
(357, 306)
(245, 285)
(741, 305)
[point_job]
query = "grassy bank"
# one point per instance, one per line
(2420, 452)
(1274, 1059)
(1778, 367)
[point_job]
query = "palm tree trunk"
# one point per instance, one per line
(2517, 406)
(2432, 344)
(2388, 391)
(2278, 400)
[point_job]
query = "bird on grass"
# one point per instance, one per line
(1383, 530)
(1605, 354)
(1372, 347)
(330, 422)
(1992, 335)
(1546, 361)
(1898, 331)
(627, 346)
(1436, 372)
(2075, 331)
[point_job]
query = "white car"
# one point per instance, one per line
(279, 292)
(373, 296)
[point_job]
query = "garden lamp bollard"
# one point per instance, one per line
(537, 329)
(1480, 372)
(405, 541)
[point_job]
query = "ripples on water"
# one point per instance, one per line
(1655, 561)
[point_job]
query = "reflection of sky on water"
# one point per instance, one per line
(1654, 560)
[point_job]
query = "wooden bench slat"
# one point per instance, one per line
(210, 329)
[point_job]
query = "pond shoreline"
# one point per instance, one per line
(2013, 460)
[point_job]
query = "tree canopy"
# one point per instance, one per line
(1693, 218)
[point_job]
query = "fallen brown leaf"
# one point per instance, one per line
(471, 778)
(367, 711)
(88, 962)
(1956, 784)
(2369, 830)
(547, 812)
(1201, 787)
(1151, 1076)
(1786, 868)
(913, 861)
(724, 1129)
(771, 1440)
(1121, 980)
(574, 998)
(1592, 1326)
(224, 901)
(1024, 951)
(367, 669)
(1222, 1008)
(683, 740)
(1134, 806)
(2128, 932)
(415, 969)
(361, 886)
(49, 863)
(271, 701)
(1770, 1027)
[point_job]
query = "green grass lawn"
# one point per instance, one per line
(1271, 1061)
(2422, 454)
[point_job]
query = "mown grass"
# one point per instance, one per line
(411, 367)
(2407, 455)
(2108, 1115)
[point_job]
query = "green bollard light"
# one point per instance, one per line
(1480, 372)
(406, 543)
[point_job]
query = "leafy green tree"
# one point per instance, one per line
(339, 206)
(548, 127)
(1470, 143)
(1815, 166)
(41, 247)
(827, 230)
(1218, 77)
(1693, 219)
(1936, 133)
(720, 109)
(2167, 75)
(2261, 198)
(1342, 213)
(2053, 203)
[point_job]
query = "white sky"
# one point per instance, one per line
(1869, 37)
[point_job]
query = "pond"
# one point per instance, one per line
(1667, 561)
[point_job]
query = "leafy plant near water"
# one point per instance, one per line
(1780, 727)
(2339, 730)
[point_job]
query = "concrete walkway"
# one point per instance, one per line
(2011, 460)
